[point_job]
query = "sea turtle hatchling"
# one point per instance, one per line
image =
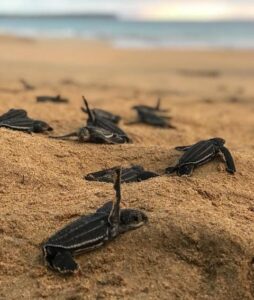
(134, 173)
(156, 108)
(91, 231)
(99, 121)
(54, 99)
(17, 119)
(200, 153)
(93, 134)
(152, 118)
(101, 113)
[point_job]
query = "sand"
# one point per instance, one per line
(199, 243)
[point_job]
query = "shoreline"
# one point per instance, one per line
(126, 43)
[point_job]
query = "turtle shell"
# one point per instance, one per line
(107, 125)
(199, 153)
(150, 117)
(85, 233)
(17, 119)
(128, 174)
(13, 114)
(106, 115)
(98, 121)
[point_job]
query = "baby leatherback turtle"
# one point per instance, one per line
(200, 153)
(151, 118)
(98, 121)
(91, 231)
(55, 99)
(101, 113)
(93, 134)
(17, 119)
(156, 108)
(133, 174)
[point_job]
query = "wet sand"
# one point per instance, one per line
(199, 243)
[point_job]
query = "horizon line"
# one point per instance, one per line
(114, 16)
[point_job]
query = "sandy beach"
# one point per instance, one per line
(199, 243)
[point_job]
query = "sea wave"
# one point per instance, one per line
(133, 34)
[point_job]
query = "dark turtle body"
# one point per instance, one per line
(151, 118)
(17, 119)
(93, 134)
(156, 108)
(55, 99)
(90, 232)
(101, 113)
(133, 174)
(200, 153)
(98, 121)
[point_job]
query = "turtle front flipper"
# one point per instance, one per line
(183, 148)
(185, 170)
(88, 111)
(158, 106)
(63, 262)
(170, 170)
(229, 160)
(146, 175)
(114, 216)
(64, 137)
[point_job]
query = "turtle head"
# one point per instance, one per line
(83, 134)
(131, 219)
(136, 107)
(40, 126)
(218, 141)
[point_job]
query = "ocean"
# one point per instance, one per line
(135, 34)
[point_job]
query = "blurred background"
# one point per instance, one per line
(135, 24)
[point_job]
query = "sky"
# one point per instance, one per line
(139, 9)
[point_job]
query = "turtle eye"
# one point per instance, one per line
(136, 218)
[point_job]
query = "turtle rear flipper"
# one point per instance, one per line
(183, 148)
(229, 160)
(64, 262)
